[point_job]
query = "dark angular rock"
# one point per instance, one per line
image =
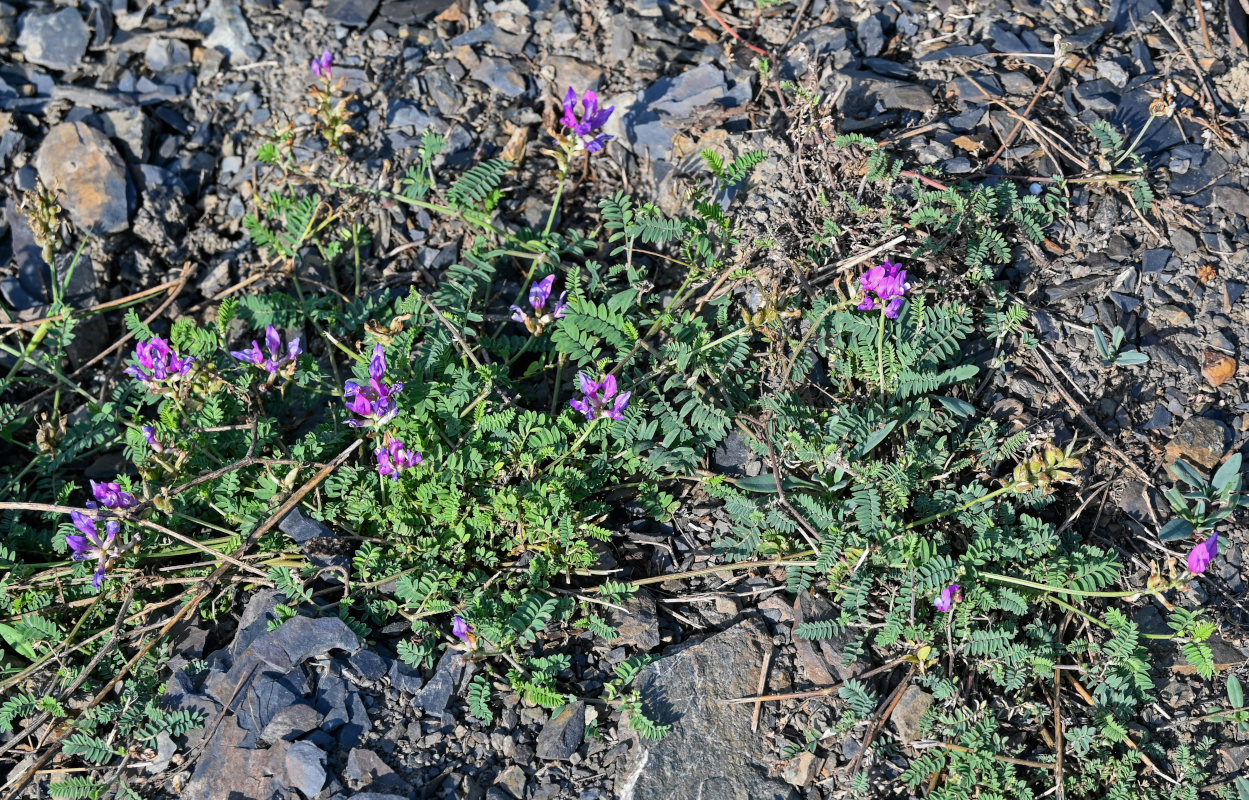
(908, 713)
(331, 701)
(305, 768)
(412, 12)
(352, 13)
(358, 723)
(500, 75)
(225, 29)
(404, 678)
(254, 622)
(365, 769)
(291, 722)
(562, 734)
(57, 40)
(871, 35)
(301, 528)
(303, 638)
(710, 751)
(1155, 260)
(368, 664)
(638, 624)
(733, 456)
(434, 697)
(227, 769)
(448, 98)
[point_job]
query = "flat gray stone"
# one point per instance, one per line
(562, 734)
(638, 625)
(58, 40)
(225, 29)
(305, 768)
(434, 697)
(710, 751)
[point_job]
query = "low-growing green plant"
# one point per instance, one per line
(466, 441)
(1112, 352)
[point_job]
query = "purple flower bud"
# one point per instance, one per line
(949, 596)
(278, 356)
(592, 119)
(460, 629)
(539, 296)
(110, 495)
(158, 362)
(394, 457)
(1203, 554)
(149, 433)
(598, 398)
(321, 67)
(376, 403)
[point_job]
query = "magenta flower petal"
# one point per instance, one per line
(949, 596)
(591, 122)
(1201, 555)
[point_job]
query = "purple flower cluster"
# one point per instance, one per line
(158, 362)
(592, 119)
(1203, 554)
(888, 283)
(599, 396)
(376, 403)
(394, 457)
(949, 596)
(539, 294)
(321, 67)
(90, 545)
(110, 495)
(277, 358)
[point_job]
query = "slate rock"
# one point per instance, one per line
(255, 619)
(638, 624)
(368, 664)
(434, 697)
(710, 751)
(412, 12)
(166, 54)
(562, 733)
(260, 697)
(165, 750)
(305, 768)
(801, 769)
(871, 35)
(823, 659)
(227, 769)
(512, 780)
(365, 769)
(500, 75)
(301, 528)
(448, 98)
(352, 13)
(1199, 441)
(907, 714)
(404, 677)
(291, 722)
(358, 723)
(733, 456)
(225, 29)
(81, 160)
(1154, 261)
(1126, 14)
(331, 701)
(1232, 199)
(304, 638)
(57, 40)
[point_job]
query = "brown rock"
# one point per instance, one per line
(907, 714)
(82, 163)
(1218, 368)
(638, 624)
(801, 769)
(1199, 441)
(1169, 316)
(822, 658)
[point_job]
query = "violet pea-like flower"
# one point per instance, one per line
(394, 457)
(949, 596)
(539, 295)
(158, 362)
(375, 402)
(90, 545)
(600, 398)
(321, 67)
(592, 119)
(460, 629)
(1203, 554)
(110, 495)
(278, 357)
(888, 282)
(149, 433)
